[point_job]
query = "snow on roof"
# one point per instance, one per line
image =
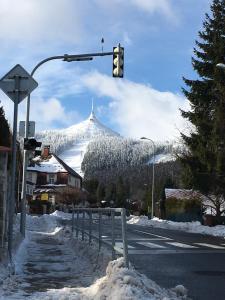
(48, 166)
(182, 194)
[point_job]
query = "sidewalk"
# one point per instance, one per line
(49, 260)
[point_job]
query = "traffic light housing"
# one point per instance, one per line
(118, 61)
(31, 144)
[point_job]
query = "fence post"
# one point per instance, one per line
(124, 236)
(77, 229)
(90, 226)
(113, 234)
(73, 221)
(100, 230)
(83, 225)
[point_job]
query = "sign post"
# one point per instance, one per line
(17, 84)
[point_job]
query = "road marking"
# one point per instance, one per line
(137, 239)
(160, 236)
(181, 245)
(151, 245)
(210, 245)
(120, 245)
(172, 251)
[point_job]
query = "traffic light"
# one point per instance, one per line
(31, 144)
(118, 61)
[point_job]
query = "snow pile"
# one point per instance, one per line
(121, 283)
(194, 227)
(45, 223)
(62, 215)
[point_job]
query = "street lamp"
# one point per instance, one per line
(153, 175)
(68, 58)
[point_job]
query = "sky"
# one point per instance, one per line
(158, 38)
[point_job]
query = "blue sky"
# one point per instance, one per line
(158, 37)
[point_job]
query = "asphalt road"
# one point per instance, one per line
(194, 260)
(172, 257)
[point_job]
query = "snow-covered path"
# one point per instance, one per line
(50, 260)
(50, 264)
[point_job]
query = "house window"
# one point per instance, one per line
(51, 178)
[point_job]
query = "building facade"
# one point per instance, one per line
(51, 184)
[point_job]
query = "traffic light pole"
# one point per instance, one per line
(68, 58)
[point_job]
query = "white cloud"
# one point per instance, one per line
(35, 20)
(138, 109)
(44, 112)
(151, 6)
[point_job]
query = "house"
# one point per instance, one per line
(183, 205)
(51, 183)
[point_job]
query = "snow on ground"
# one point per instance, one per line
(162, 158)
(51, 265)
(194, 227)
(73, 156)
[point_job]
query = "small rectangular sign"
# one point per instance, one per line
(44, 197)
(31, 129)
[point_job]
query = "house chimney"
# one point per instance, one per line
(46, 151)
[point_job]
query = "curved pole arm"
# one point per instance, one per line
(46, 60)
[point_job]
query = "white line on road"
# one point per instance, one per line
(210, 245)
(160, 236)
(120, 245)
(181, 245)
(172, 251)
(151, 245)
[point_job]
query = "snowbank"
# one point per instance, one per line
(194, 227)
(119, 283)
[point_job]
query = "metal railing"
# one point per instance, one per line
(86, 226)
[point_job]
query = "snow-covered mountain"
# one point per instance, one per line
(104, 147)
(71, 143)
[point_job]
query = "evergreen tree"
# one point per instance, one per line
(169, 184)
(120, 193)
(204, 160)
(4, 129)
(100, 193)
(91, 186)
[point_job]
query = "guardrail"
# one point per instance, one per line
(87, 229)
